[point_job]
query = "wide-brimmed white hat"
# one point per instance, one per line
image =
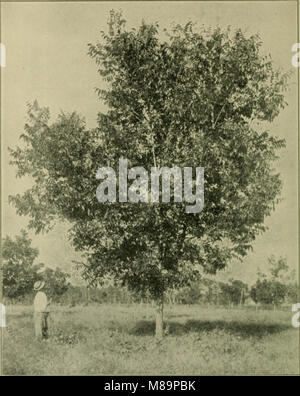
(39, 285)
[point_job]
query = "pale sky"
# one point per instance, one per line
(46, 59)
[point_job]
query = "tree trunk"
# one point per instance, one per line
(159, 326)
(147, 309)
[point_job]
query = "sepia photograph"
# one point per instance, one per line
(149, 190)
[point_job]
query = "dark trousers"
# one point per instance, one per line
(41, 324)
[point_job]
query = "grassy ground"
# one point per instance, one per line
(118, 340)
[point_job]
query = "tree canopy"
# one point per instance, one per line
(185, 97)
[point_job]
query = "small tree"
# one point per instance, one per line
(276, 284)
(268, 292)
(292, 292)
(191, 294)
(188, 101)
(19, 268)
(279, 268)
(234, 291)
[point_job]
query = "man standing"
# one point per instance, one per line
(41, 311)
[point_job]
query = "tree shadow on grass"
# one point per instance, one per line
(241, 329)
(143, 328)
(178, 315)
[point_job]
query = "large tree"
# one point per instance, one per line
(188, 97)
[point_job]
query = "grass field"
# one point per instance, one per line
(118, 340)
